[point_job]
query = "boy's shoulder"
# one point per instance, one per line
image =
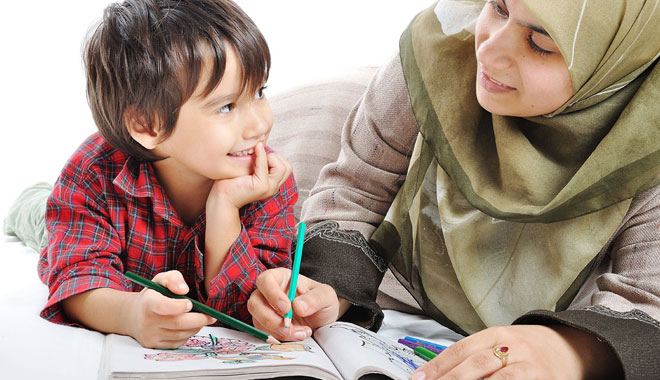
(94, 158)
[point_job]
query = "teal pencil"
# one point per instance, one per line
(295, 271)
(200, 307)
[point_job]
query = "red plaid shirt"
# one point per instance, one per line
(108, 214)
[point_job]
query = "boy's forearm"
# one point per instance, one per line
(103, 309)
(223, 226)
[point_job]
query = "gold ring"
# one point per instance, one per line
(502, 353)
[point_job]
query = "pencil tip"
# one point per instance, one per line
(287, 322)
(271, 340)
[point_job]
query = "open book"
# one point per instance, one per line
(337, 351)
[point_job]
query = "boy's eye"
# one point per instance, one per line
(226, 108)
(260, 94)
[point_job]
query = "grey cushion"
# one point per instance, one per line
(308, 124)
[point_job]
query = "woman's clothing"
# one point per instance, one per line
(615, 295)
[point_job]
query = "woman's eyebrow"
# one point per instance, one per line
(536, 28)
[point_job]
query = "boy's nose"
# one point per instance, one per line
(258, 123)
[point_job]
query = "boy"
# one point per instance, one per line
(178, 185)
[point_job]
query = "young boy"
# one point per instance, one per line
(178, 185)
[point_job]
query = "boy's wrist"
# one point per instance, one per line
(220, 204)
(223, 227)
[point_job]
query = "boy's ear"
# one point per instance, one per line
(140, 130)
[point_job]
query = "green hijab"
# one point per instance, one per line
(502, 215)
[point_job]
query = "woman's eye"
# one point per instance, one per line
(260, 94)
(501, 11)
(536, 48)
(226, 108)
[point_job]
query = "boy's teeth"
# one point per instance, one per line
(242, 153)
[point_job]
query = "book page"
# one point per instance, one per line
(356, 352)
(218, 352)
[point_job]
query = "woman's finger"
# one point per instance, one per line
(272, 284)
(479, 365)
(263, 313)
(318, 305)
(520, 370)
(268, 320)
(459, 352)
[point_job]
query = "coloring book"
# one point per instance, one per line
(337, 351)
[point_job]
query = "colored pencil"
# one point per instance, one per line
(424, 353)
(200, 307)
(414, 345)
(295, 271)
(425, 343)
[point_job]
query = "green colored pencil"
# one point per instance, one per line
(424, 353)
(295, 271)
(200, 307)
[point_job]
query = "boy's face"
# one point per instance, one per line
(214, 136)
(520, 70)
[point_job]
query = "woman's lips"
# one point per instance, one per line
(493, 85)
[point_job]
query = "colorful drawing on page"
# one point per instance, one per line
(228, 350)
(398, 355)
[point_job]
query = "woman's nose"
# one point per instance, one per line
(498, 47)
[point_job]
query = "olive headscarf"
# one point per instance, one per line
(501, 215)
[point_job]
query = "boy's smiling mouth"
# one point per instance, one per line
(246, 152)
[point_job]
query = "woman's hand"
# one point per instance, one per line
(162, 322)
(315, 305)
(532, 352)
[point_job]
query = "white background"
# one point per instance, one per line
(44, 114)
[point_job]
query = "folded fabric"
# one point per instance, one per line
(25, 219)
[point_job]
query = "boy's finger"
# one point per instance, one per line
(172, 280)
(279, 168)
(260, 162)
(187, 322)
(164, 305)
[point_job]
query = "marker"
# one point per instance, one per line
(413, 345)
(200, 307)
(295, 271)
(424, 353)
(435, 347)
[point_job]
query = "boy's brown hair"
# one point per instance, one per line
(145, 58)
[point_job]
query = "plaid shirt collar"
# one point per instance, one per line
(138, 179)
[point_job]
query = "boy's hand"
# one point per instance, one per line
(315, 305)
(270, 172)
(163, 322)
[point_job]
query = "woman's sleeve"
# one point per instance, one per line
(353, 194)
(622, 298)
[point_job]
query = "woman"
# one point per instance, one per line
(508, 175)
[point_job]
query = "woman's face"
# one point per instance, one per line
(520, 71)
